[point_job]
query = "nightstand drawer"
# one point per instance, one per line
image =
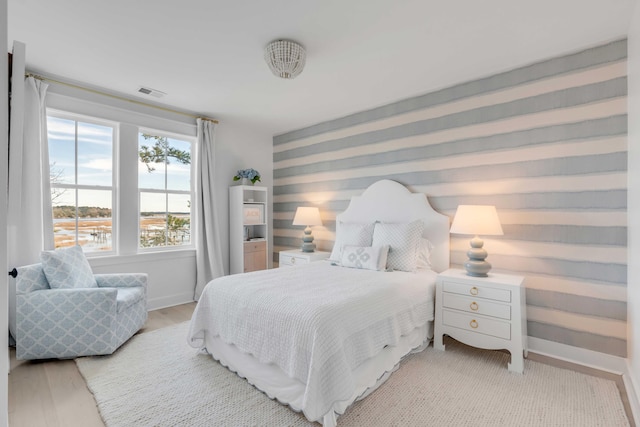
(297, 257)
(288, 259)
(476, 305)
(477, 291)
(478, 324)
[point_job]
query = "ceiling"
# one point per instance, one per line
(207, 55)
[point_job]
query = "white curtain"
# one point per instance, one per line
(208, 252)
(29, 218)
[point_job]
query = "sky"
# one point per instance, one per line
(95, 147)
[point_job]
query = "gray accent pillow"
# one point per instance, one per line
(67, 268)
(404, 241)
(365, 257)
(349, 233)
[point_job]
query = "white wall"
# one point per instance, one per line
(633, 208)
(4, 309)
(172, 275)
(240, 147)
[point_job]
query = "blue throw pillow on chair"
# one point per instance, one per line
(67, 268)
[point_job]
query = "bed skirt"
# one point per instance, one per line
(272, 381)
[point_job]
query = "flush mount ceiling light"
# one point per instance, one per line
(285, 58)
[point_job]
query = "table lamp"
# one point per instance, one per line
(307, 216)
(476, 220)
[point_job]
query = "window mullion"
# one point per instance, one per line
(166, 194)
(128, 213)
(75, 178)
(166, 222)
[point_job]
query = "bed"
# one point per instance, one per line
(320, 336)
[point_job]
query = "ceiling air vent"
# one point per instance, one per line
(152, 92)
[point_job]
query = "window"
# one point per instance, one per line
(165, 190)
(118, 187)
(81, 175)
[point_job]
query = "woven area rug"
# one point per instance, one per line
(156, 379)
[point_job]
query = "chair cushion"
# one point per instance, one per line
(127, 297)
(67, 268)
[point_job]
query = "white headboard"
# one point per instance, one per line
(389, 201)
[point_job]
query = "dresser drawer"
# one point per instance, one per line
(478, 324)
(255, 246)
(476, 305)
(496, 294)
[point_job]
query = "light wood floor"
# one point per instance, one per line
(53, 393)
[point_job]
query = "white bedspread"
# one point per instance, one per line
(316, 322)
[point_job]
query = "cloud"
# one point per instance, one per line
(101, 164)
(64, 130)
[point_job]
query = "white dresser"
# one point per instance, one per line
(485, 312)
(295, 257)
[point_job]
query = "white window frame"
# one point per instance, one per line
(131, 118)
(65, 115)
(191, 193)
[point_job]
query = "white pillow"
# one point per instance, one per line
(354, 234)
(365, 257)
(67, 268)
(404, 243)
(424, 254)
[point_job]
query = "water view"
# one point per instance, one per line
(95, 234)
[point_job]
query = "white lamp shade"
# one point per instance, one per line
(307, 216)
(476, 220)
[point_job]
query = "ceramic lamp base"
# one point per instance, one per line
(308, 247)
(307, 241)
(477, 268)
(476, 265)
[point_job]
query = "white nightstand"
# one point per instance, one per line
(485, 312)
(295, 257)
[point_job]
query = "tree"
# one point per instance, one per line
(175, 223)
(56, 176)
(160, 152)
(177, 230)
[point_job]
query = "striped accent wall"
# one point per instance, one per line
(545, 143)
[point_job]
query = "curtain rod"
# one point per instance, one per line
(121, 98)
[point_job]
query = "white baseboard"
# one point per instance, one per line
(631, 386)
(592, 359)
(169, 301)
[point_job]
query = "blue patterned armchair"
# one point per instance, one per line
(67, 323)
